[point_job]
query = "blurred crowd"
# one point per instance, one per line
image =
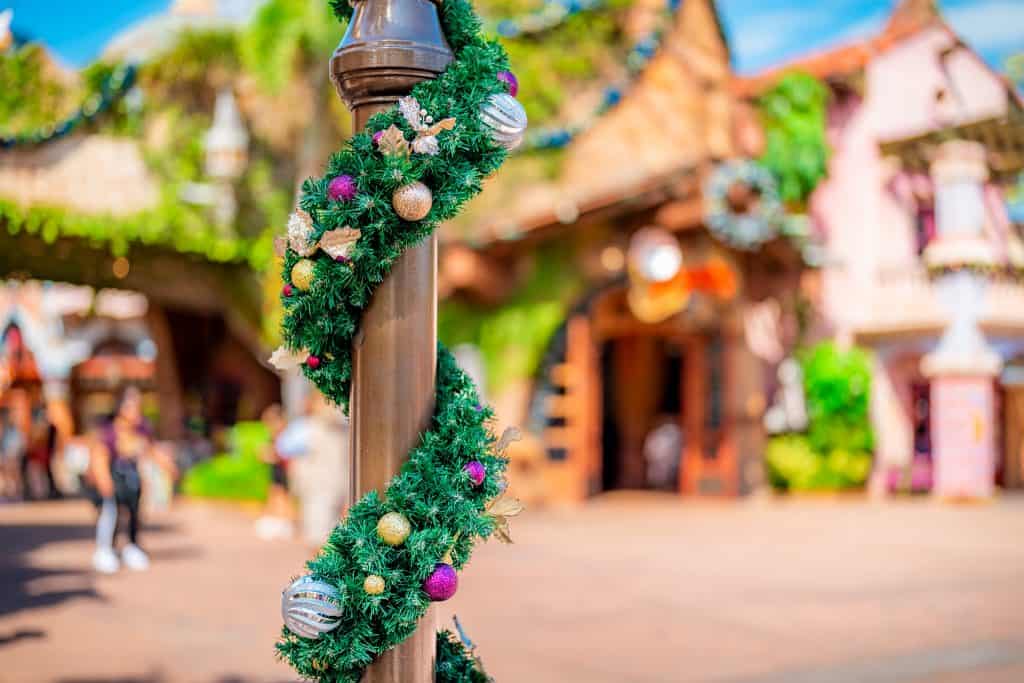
(118, 464)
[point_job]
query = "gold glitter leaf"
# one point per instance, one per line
(286, 359)
(444, 124)
(393, 142)
(339, 243)
(509, 436)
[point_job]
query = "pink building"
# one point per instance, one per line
(923, 264)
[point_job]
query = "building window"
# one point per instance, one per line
(924, 226)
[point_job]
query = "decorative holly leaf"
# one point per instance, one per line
(285, 359)
(339, 243)
(393, 142)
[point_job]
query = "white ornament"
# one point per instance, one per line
(506, 119)
(311, 607)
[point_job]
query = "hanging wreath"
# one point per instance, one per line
(742, 205)
(385, 191)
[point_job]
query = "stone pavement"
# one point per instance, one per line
(630, 588)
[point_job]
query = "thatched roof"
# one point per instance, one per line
(88, 173)
(677, 116)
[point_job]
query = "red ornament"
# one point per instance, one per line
(342, 188)
(312, 362)
(287, 290)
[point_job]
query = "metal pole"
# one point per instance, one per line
(390, 46)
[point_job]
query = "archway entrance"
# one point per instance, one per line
(643, 430)
(651, 406)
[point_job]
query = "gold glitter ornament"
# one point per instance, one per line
(393, 528)
(302, 274)
(373, 585)
(412, 202)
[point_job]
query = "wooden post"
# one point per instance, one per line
(390, 46)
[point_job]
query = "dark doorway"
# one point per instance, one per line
(643, 413)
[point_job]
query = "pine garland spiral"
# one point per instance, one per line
(449, 488)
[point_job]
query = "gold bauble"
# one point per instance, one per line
(302, 274)
(373, 585)
(393, 528)
(412, 202)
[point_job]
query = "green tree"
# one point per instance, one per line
(793, 114)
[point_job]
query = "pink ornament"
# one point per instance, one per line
(377, 136)
(342, 188)
(476, 471)
(287, 290)
(442, 582)
(510, 81)
(312, 362)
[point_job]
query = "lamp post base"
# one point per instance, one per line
(963, 443)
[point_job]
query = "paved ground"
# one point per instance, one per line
(627, 589)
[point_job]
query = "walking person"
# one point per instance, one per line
(12, 453)
(115, 484)
(276, 521)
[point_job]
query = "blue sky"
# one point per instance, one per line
(761, 32)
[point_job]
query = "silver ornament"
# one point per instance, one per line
(310, 607)
(412, 202)
(505, 118)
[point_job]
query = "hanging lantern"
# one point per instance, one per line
(227, 141)
(655, 255)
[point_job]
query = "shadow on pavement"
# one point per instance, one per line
(21, 579)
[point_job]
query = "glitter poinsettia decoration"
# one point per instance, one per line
(393, 143)
(300, 233)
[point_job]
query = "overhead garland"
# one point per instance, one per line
(551, 15)
(114, 86)
(386, 190)
(640, 55)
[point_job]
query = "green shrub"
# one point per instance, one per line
(238, 475)
(835, 453)
(837, 385)
(794, 465)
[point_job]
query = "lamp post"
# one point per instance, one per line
(390, 46)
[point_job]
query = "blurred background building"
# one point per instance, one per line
(692, 281)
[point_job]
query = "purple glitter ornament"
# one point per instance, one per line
(510, 81)
(442, 582)
(342, 188)
(377, 136)
(476, 472)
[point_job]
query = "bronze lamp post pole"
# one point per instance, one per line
(390, 46)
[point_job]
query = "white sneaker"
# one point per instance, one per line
(134, 558)
(105, 561)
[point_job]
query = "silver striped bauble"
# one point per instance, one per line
(310, 607)
(505, 118)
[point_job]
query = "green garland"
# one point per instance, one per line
(446, 509)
